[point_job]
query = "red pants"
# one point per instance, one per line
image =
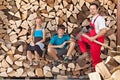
(95, 49)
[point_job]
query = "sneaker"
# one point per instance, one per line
(67, 59)
(57, 62)
(35, 63)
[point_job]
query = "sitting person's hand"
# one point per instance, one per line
(32, 43)
(62, 45)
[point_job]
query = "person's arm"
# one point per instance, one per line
(101, 33)
(102, 27)
(52, 45)
(32, 35)
(56, 46)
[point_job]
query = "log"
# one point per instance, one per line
(116, 75)
(61, 66)
(31, 73)
(111, 61)
(9, 70)
(71, 65)
(10, 59)
(102, 69)
(13, 74)
(5, 64)
(4, 74)
(39, 72)
(55, 70)
(19, 72)
(18, 63)
(117, 59)
(94, 76)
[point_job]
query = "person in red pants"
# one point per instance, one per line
(97, 32)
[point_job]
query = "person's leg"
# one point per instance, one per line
(95, 53)
(36, 56)
(83, 48)
(53, 53)
(29, 57)
(71, 48)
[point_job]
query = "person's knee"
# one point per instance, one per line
(49, 50)
(72, 44)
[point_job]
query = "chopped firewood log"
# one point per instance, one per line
(13, 74)
(5, 64)
(71, 65)
(39, 72)
(118, 48)
(55, 70)
(116, 75)
(61, 66)
(115, 69)
(9, 70)
(2, 69)
(19, 71)
(1, 57)
(31, 73)
(4, 47)
(111, 61)
(47, 71)
(18, 63)
(102, 69)
(113, 53)
(94, 76)
(9, 59)
(24, 74)
(3, 74)
(117, 59)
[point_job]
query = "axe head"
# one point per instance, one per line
(85, 29)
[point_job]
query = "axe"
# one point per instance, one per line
(85, 30)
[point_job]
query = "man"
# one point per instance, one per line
(98, 29)
(58, 45)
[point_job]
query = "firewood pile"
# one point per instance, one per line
(17, 19)
(109, 69)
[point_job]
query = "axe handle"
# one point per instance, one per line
(86, 36)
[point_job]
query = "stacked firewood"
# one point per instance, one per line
(17, 19)
(108, 69)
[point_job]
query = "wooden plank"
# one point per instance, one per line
(118, 23)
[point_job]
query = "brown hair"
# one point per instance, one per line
(39, 17)
(61, 27)
(95, 5)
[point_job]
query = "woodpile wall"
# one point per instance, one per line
(16, 20)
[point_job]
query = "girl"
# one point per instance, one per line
(37, 38)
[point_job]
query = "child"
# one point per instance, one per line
(58, 45)
(37, 38)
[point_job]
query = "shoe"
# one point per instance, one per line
(57, 62)
(67, 59)
(35, 63)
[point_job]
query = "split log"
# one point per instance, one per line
(116, 75)
(94, 76)
(102, 69)
(39, 72)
